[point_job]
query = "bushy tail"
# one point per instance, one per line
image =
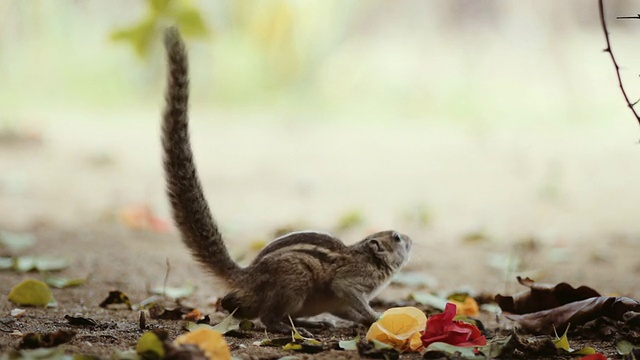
(190, 210)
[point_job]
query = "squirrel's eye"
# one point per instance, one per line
(397, 237)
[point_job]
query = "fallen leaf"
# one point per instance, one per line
(400, 327)
(427, 299)
(141, 217)
(18, 313)
(32, 292)
(80, 321)
(349, 344)
(46, 340)
(624, 347)
(16, 242)
(194, 315)
(6, 263)
(229, 323)
(157, 311)
(150, 346)
(563, 342)
(150, 301)
(500, 347)
(173, 292)
(60, 283)
(468, 306)
(31, 263)
(576, 313)
(304, 346)
(126, 355)
(56, 353)
(543, 297)
(116, 297)
(211, 342)
(415, 279)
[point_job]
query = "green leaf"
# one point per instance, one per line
(415, 279)
(229, 324)
(349, 344)
(32, 292)
(59, 283)
(496, 346)
(191, 22)
(56, 353)
(174, 293)
(379, 345)
(6, 263)
(139, 36)
(429, 300)
(150, 346)
(625, 348)
(16, 242)
(30, 263)
(465, 352)
(125, 355)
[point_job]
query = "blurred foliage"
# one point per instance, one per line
(161, 14)
(263, 50)
(278, 47)
(350, 220)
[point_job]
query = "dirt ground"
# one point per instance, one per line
(483, 206)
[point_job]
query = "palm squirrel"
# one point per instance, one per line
(297, 275)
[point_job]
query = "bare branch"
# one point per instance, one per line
(615, 63)
(628, 17)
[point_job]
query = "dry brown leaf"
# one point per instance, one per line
(575, 313)
(543, 296)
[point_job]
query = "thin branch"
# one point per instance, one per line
(615, 63)
(628, 17)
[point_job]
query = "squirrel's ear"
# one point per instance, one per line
(375, 246)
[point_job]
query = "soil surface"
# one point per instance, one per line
(483, 207)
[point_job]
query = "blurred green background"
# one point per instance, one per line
(493, 116)
(459, 61)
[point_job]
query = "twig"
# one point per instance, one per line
(628, 17)
(166, 279)
(615, 63)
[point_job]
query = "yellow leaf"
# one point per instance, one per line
(468, 307)
(211, 342)
(150, 346)
(400, 327)
(31, 292)
(563, 342)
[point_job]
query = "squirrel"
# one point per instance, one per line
(297, 275)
